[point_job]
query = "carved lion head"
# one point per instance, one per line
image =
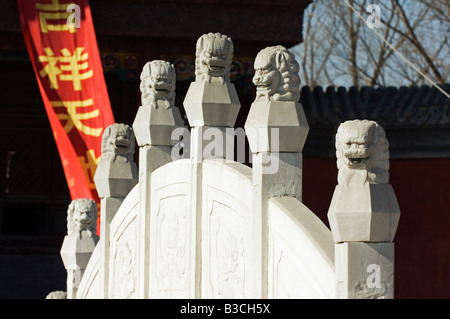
(276, 75)
(213, 57)
(158, 80)
(82, 216)
(118, 140)
(362, 145)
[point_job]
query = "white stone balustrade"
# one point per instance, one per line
(206, 226)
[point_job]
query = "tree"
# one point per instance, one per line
(340, 47)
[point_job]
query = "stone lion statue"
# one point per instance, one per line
(276, 75)
(213, 57)
(158, 81)
(362, 152)
(118, 141)
(82, 217)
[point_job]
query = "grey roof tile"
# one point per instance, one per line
(404, 106)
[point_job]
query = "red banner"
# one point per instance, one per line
(61, 42)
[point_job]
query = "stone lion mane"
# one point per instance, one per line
(213, 47)
(163, 76)
(284, 61)
(376, 147)
(75, 209)
(118, 140)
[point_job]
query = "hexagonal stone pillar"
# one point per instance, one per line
(76, 253)
(364, 270)
(211, 104)
(364, 213)
(276, 129)
(80, 241)
(154, 125)
(114, 178)
(286, 117)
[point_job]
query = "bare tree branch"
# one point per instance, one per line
(339, 48)
(413, 38)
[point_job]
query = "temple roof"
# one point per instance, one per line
(389, 106)
(416, 119)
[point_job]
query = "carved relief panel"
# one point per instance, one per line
(227, 252)
(228, 263)
(171, 236)
(172, 233)
(123, 283)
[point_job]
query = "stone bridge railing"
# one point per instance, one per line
(206, 226)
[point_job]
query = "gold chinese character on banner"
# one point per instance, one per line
(66, 67)
(54, 11)
(74, 118)
(89, 164)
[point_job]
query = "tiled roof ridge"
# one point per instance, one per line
(389, 106)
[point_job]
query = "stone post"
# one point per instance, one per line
(211, 103)
(154, 124)
(80, 241)
(276, 128)
(115, 176)
(211, 106)
(363, 213)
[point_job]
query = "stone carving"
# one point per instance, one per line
(362, 152)
(118, 141)
(287, 181)
(157, 117)
(276, 109)
(363, 291)
(172, 229)
(228, 277)
(126, 271)
(57, 295)
(82, 217)
(158, 84)
(213, 57)
(276, 75)
(123, 263)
